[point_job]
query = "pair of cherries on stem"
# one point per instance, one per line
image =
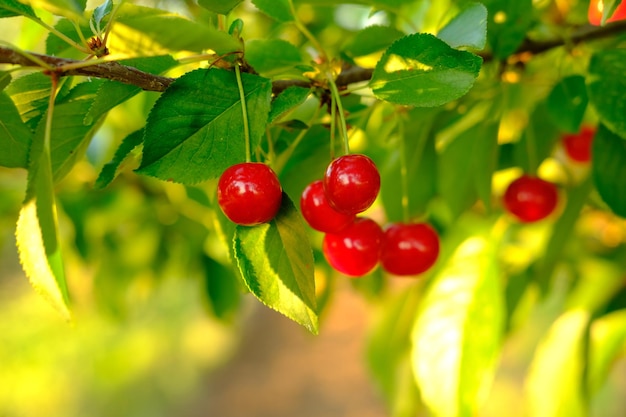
(353, 244)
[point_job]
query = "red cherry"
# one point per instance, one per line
(249, 193)
(596, 8)
(318, 213)
(409, 249)
(351, 183)
(356, 249)
(530, 198)
(578, 145)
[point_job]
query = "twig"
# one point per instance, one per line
(151, 82)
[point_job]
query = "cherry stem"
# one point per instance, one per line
(244, 113)
(342, 119)
(404, 177)
(333, 126)
(302, 28)
(531, 150)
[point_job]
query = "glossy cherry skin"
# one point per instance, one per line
(249, 193)
(318, 213)
(409, 249)
(578, 145)
(596, 7)
(356, 249)
(530, 198)
(351, 183)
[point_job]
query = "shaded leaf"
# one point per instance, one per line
(100, 13)
(219, 6)
(5, 79)
(608, 165)
(110, 170)
(606, 84)
(421, 70)
(287, 100)
(457, 332)
(507, 25)
(195, 130)
(9, 8)
(276, 9)
(371, 39)
(467, 29)
(273, 56)
(276, 262)
(221, 288)
(553, 384)
(15, 136)
(30, 94)
(567, 103)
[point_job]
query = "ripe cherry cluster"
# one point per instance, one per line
(530, 198)
(353, 244)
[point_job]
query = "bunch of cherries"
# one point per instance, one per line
(353, 244)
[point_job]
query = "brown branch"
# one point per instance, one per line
(151, 82)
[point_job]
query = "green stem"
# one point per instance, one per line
(404, 180)
(531, 151)
(61, 35)
(244, 114)
(333, 125)
(307, 33)
(342, 119)
(281, 161)
(48, 131)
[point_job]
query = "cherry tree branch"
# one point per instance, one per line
(150, 82)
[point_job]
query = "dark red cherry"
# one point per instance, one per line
(318, 213)
(351, 183)
(530, 198)
(249, 193)
(356, 249)
(409, 249)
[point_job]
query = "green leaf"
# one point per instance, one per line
(110, 170)
(371, 39)
(467, 29)
(222, 288)
(606, 84)
(276, 9)
(37, 235)
(567, 103)
(9, 8)
(276, 262)
(273, 56)
(538, 139)
(508, 23)
(553, 384)
(421, 70)
(72, 9)
(457, 332)
(100, 13)
(142, 29)
(15, 136)
(608, 338)
(219, 6)
(113, 93)
(292, 96)
(608, 165)
(5, 79)
(30, 94)
(195, 130)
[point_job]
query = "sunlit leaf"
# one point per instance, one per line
(67, 8)
(457, 332)
(421, 70)
(15, 136)
(195, 130)
(608, 339)
(606, 84)
(567, 103)
(37, 235)
(467, 29)
(609, 169)
(553, 384)
(30, 94)
(276, 262)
